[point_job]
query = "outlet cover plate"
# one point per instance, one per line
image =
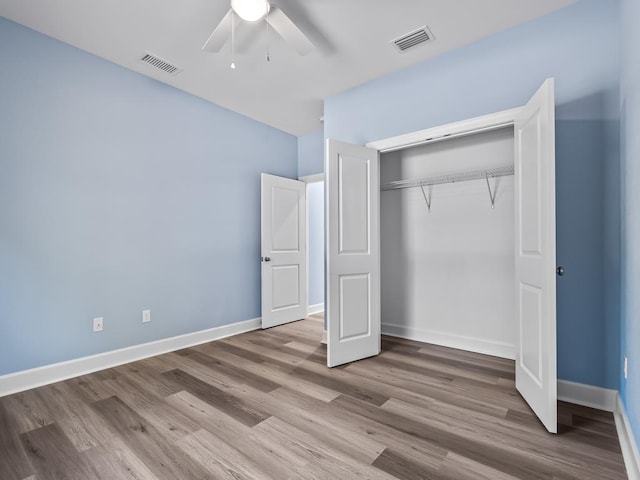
(98, 324)
(146, 316)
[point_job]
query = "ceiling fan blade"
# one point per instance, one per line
(220, 35)
(289, 31)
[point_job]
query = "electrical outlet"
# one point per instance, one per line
(626, 371)
(146, 316)
(98, 324)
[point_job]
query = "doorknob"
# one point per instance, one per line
(560, 271)
(266, 259)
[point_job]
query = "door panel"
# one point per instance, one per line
(536, 375)
(286, 215)
(284, 274)
(355, 316)
(352, 252)
(353, 182)
(285, 280)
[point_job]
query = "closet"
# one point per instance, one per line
(447, 243)
(442, 275)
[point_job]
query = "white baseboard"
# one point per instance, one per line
(36, 377)
(627, 441)
(471, 344)
(587, 395)
(324, 337)
(608, 400)
(313, 309)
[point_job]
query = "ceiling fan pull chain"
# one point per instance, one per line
(267, 22)
(233, 40)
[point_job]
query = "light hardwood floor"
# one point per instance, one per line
(263, 405)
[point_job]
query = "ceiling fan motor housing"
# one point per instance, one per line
(250, 10)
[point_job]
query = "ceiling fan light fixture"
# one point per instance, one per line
(250, 10)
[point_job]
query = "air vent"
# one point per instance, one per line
(412, 39)
(160, 64)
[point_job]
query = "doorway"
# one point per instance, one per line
(315, 243)
(447, 245)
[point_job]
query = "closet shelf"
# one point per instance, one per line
(450, 178)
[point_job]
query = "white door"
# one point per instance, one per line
(536, 374)
(352, 253)
(284, 250)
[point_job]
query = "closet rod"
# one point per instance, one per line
(449, 178)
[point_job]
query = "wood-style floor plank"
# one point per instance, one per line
(13, 460)
(115, 460)
(229, 404)
(274, 462)
(54, 457)
(219, 458)
(311, 416)
(457, 467)
(242, 376)
(405, 467)
(159, 455)
(80, 423)
(487, 452)
(263, 405)
(275, 375)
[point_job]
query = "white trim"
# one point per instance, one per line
(36, 377)
(317, 308)
(627, 441)
(470, 126)
(587, 395)
(324, 337)
(471, 344)
(610, 401)
(306, 254)
(315, 178)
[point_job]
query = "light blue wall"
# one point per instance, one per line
(119, 193)
(578, 46)
(311, 153)
(494, 74)
(315, 201)
(630, 150)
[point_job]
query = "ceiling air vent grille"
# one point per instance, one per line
(160, 64)
(412, 39)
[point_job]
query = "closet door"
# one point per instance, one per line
(352, 253)
(536, 375)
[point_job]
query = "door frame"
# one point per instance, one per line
(484, 123)
(471, 126)
(307, 179)
(449, 131)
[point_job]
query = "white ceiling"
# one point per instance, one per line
(351, 38)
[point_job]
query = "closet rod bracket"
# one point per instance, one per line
(492, 195)
(426, 199)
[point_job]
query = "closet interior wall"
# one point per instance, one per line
(447, 275)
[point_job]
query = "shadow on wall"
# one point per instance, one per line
(588, 242)
(596, 105)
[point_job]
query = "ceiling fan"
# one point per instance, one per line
(253, 11)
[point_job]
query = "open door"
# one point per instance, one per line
(284, 250)
(536, 375)
(352, 253)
